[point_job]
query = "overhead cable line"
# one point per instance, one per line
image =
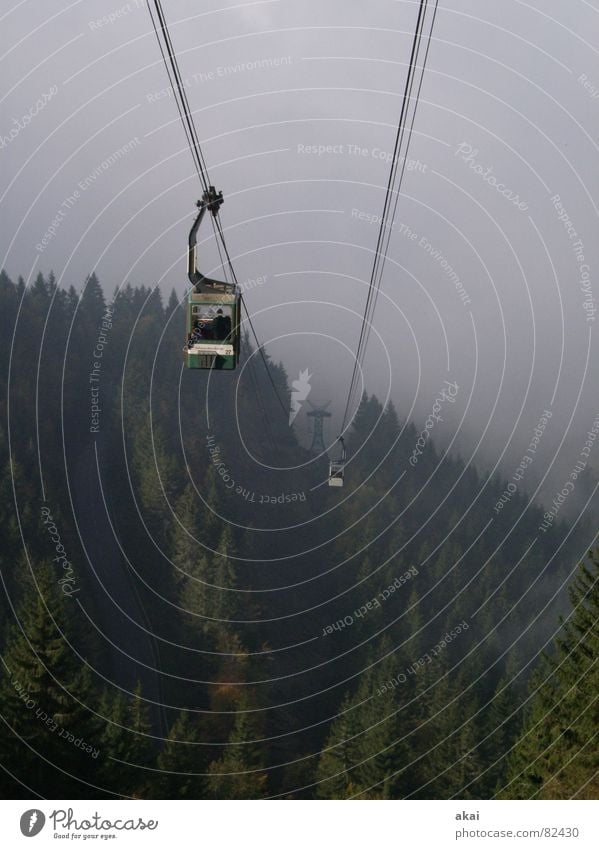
(403, 159)
(179, 91)
(386, 223)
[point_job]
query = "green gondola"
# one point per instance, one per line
(213, 307)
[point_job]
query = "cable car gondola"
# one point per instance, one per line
(213, 307)
(337, 467)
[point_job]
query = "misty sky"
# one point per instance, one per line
(512, 85)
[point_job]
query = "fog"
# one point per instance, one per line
(489, 283)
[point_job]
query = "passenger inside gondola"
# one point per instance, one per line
(222, 325)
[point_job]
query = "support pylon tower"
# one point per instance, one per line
(318, 415)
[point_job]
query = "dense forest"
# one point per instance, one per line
(187, 612)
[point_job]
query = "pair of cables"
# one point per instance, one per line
(420, 48)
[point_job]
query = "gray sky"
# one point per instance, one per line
(512, 85)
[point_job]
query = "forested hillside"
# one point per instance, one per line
(188, 612)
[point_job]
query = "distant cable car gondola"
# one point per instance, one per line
(337, 467)
(213, 308)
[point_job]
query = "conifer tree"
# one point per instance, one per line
(126, 747)
(240, 771)
(44, 693)
(182, 761)
(556, 755)
(172, 305)
(363, 756)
